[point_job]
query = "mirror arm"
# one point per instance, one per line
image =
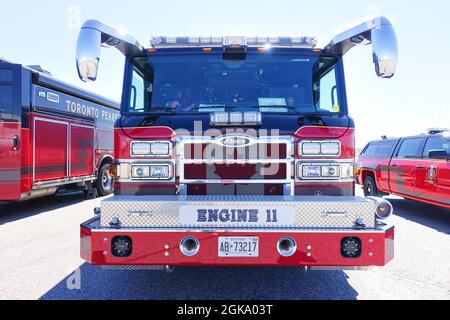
(378, 32)
(94, 35)
(112, 37)
(358, 35)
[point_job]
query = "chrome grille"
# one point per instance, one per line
(263, 160)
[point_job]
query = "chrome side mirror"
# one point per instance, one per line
(385, 50)
(94, 35)
(88, 54)
(376, 31)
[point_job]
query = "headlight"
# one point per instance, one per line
(140, 172)
(152, 172)
(160, 172)
(320, 148)
(330, 148)
(140, 149)
(160, 149)
(325, 171)
(151, 149)
(311, 171)
(331, 171)
(310, 148)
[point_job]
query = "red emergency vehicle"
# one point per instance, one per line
(417, 168)
(52, 135)
(236, 151)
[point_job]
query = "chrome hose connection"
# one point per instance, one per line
(287, 247)
(190, 246)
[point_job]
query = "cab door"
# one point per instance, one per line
(433, 175)
(443, 182)
(10, 131)
(402, 169)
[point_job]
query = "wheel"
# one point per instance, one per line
(105, 183)
(370, 188)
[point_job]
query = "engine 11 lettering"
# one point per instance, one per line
(235, 215)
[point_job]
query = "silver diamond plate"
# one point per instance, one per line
(311, 212)
(134, 268)
(340, 268)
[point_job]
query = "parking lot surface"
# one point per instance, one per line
(39, 259)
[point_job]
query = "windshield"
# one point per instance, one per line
(192, 82)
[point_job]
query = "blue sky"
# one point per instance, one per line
(44, 32)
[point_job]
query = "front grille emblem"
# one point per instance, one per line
(235, 141)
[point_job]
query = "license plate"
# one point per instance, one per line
(238, 247)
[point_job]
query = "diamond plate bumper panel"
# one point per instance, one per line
(310, 212)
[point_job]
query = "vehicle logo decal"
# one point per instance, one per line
(52, 97)
(235, 141)
(431, 175)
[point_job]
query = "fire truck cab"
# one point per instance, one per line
(236, 151)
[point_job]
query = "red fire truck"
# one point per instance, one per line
(416, 168)
(52, 135)
(236, 151)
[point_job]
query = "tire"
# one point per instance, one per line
(370, 188)
(105, 183)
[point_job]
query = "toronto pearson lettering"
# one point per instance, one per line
(88, 111)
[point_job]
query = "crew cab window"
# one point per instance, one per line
(434, 144)
(6, 102)
(385, 149)
(381, 149)
(410, 149)
(370, 150)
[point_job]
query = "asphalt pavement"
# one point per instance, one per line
(39, 259)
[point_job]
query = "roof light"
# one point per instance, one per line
(236, 117)
(283, 41)
(301, 42)
(235, 41)
(252, 118)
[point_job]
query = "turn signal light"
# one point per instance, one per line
(356, 170)
(113, 170)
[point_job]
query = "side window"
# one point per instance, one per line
(6, 102)
(436, 143)
(385, 149)
(410, 149)
(137, 95)
(370, 150)
(328, 96)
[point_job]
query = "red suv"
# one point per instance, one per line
(416, 168)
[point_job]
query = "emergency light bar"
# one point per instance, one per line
(299, 42)
(437, 130)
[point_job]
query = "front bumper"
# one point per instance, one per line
(316, 248)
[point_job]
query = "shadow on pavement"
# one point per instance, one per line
(11, 212)
(428, 215)
(204, 283)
